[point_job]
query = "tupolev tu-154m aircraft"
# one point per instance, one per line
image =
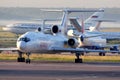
(39, 42)
(89, 39)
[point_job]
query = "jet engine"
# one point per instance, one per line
(72, 42)
(53, 30)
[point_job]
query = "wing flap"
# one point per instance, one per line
(82, 50)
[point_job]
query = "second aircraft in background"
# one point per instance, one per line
(21, 28)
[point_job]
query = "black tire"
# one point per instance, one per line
(100, 54)
(28, 61)
(78, 61)
(103, 54)
(20, 59)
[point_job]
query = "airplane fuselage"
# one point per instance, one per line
(40, 42)
(20, 28)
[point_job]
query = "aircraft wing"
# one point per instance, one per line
(83, 50)
(8, 49)
(117, 46)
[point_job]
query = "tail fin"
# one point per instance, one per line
(65, 17)
(91, 21)
(64, 21)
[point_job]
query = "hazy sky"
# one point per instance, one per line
(61, 3)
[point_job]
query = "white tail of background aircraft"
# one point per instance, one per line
(20, 28)
(95, 39)
(93, 20)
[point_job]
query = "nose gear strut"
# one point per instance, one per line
(28, 58)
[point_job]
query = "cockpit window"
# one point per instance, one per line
(24, 39)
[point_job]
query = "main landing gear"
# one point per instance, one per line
(101, 54)
(78, 58)
(22, 59)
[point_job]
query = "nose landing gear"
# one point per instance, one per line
(28, 58)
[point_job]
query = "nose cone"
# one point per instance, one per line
(21, 45)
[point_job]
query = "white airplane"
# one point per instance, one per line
(92, 38)
(39, 42)
(35, 42)
(21, 28)
(94, 19)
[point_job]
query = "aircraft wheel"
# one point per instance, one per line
(78, 61)
(28, 61)
(21, 59)
(101, 54)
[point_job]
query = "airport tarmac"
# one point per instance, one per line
(59, 71)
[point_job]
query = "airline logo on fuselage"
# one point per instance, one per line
(43, 45)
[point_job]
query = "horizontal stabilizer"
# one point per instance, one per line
(75, 23)
(105, 20)
(71, 10)
(46, 19)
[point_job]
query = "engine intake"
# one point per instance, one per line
(53, 30)
(73, 42)
(39, 29)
